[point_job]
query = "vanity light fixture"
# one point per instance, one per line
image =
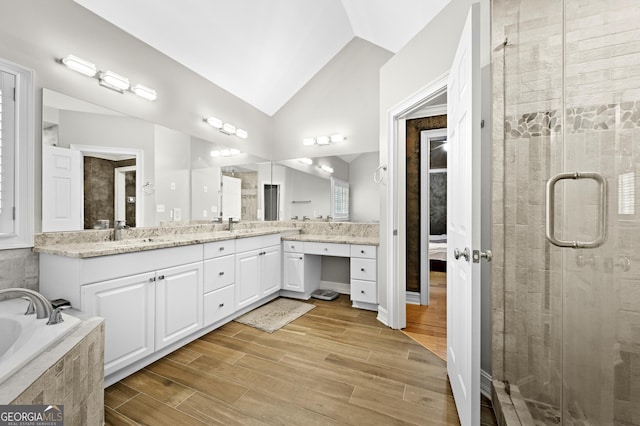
(145, 92)
(327, 168)
(226, 128)
(337, 138)
(79, 65)
(111, 80)
(108, 79)
(242, 133)
(229, 129)
(324, 140)
(307, 161)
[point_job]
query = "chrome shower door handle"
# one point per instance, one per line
(602, 215)
(458, 254)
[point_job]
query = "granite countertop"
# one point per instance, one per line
(105, 248)
(337, 239)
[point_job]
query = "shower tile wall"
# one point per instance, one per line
(562, 315)
(19, 268)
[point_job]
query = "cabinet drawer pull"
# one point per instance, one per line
(362, 251)
(221, 248)
(326, 249)
(362, 269)
(362, 291)
(221, 273)
(301, 258)
(161, 277)
(152, 279)
(221, 305)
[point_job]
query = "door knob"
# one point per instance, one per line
(477, 255)
(457, 253)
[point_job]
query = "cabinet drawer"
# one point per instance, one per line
(327, 249)
(293, 246)
(219, 248)
(364, 291)
(219, 304)
(254, 243)
(363, 269)
(359, 250)
(219, 272)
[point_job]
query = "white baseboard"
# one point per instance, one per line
(342, 288)
(412, 297)
(485, 384)
(383, 315)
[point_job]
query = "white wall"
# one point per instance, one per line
(424, 60)
(35, 33)
(341, 98)
(364, 193)
(173, 175)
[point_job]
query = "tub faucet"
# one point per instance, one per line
(44, 309)
(117, 229)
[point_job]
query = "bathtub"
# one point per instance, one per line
(23, 337)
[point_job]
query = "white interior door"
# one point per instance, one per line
(463, 209)
(231, 197)
(62, 189)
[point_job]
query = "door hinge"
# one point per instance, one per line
(482, 124)
(395, 232)
(14, 94)
(14, 213)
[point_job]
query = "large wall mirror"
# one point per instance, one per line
(338, 187)
(99, 165)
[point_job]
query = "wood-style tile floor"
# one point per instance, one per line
(334, 365)
(427, 325)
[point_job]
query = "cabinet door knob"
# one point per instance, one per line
(161, 277)
(326, 249)
(301, 258)
(222, 273)
(221, 305)
(221, 248)
(362, 269)
(362, 291)
(362, 251)
(152, 279)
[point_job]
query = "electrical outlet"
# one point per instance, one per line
(173, 186)
(160, 208)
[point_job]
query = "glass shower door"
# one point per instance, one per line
(570, 81)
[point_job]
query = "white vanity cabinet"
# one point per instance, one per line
(258, 268)
(301, 273)
(219, 280)
(128, 306)
(364, 285)
(149, 299)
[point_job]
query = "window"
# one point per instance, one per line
(16, 156)
(339, 199)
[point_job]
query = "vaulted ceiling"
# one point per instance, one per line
(264, 51)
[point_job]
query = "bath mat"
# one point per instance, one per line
(275, 315)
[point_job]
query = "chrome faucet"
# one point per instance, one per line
(231, 222)
(43, 307)
(117, 229)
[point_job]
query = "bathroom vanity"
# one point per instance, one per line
(160, 292)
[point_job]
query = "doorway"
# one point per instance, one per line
(271, 201)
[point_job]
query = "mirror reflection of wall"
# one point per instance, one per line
(307, 191)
